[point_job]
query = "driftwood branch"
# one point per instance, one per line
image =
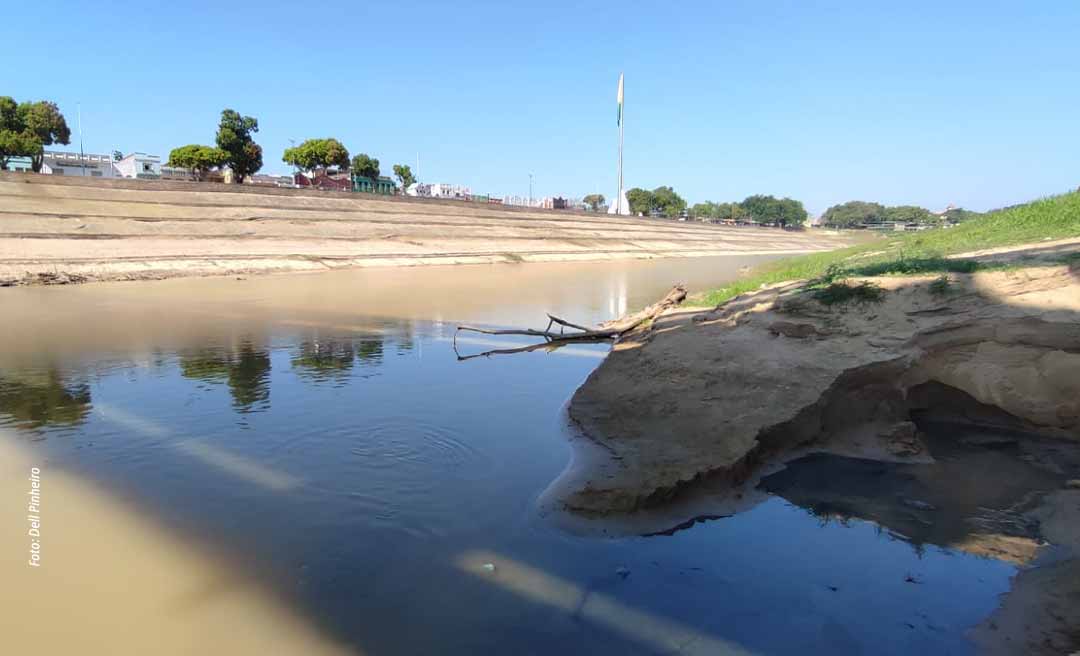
(610, 330)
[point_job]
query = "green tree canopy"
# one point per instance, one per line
(404, 175)
(641, 201)
(26, 128)
(315, 154)
(594, 201)
(784, 212)
(197, 159)
(365, 165)
(909, 214)
(667, 202)
(792, 214)
(234, 138)
(705, 210)
(853, 213)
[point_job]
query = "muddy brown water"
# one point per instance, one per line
(300, 464)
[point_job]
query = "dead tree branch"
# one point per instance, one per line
(610, 330)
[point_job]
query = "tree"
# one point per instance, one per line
(641, 201)
(667, 202)
(594, 201)
(366, 166)
(729, 211)
(315, 154)
(16, 144)
(44, 123)
(117, 155)
(853, 213)
(197, 159)
(791, 213)
(404, 175)
(234, 138)
(761, 208)
(909, 214)
(783, 212)
(26, 128)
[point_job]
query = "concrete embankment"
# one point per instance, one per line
(74, 229)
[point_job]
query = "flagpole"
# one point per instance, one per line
(619, 191)
(618, 203)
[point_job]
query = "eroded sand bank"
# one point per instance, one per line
(718, 398)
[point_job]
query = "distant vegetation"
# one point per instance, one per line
(594, 201)
(366, 165)
(1057, 217)
(317, 154)
(27, 127)
(197, 159)
(784, 212)
(243, 155)
(235, 149)
(404, 175)
(857, 213)
(662, 201)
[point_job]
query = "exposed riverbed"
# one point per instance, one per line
(302, 465)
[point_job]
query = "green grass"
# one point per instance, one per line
(1057, 217)
(836, 293)
(940, 286)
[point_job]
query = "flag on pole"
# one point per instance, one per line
(619, 100)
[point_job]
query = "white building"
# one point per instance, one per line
(91, 166)
(139, 165)
(441, 190)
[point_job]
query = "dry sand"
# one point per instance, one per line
(55, 229)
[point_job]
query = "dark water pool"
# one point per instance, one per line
(349, 460)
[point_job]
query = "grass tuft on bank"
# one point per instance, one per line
(1056, 217)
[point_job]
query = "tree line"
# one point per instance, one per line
(27, 127)
(858, 213)
(236, 149)
(784, 212)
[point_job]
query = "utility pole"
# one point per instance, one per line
(530, 189)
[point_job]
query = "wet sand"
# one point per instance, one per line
(63, 230)
(111, 581)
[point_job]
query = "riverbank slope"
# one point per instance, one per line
(55, 229)
(872, 348)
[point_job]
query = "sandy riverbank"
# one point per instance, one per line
(716, 400)
(55, 229)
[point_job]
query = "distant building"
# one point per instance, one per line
(265, 180)
(73, 164)
(177, 173)
(334, 182)
(20, 164)
(383, 185)
(442, 190)
(139, 165)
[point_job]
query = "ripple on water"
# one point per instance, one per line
(404, 473)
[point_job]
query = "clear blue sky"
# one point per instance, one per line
(972, 103)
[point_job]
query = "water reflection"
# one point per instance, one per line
(323, 358)
(974, 497)
(44, 398)
(245, 369)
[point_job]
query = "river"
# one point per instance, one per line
(301, 464)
